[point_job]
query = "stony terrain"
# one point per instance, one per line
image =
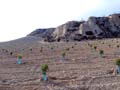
(82, 68)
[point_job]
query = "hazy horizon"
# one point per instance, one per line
(20, 17)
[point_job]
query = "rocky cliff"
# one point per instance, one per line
(94, 27)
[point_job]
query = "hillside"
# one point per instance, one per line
(82, 68)
(93, 28)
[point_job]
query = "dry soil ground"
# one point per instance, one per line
(82, 68)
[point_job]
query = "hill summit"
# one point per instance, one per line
(93, 28)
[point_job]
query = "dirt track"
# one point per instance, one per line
(83, 69)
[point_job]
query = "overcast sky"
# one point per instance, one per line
(20, 17)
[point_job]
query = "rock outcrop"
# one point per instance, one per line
(94, 27)
(67, 31)
(105, 27)
(44, 34)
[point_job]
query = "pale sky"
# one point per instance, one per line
(20, 17)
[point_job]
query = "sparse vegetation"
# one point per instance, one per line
(51, 48)
(78, 67)
(11, 53)
(63, 54)
(95, 47)
(117, 62)
(41, 49)
(19, 56)
(19, 61)
(118, 46)
(31, 49)
(72, 47)
(67, 49)
(101, 53)
(44, 68)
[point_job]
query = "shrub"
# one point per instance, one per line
(30, 49)
(118, 46)
(3, 49)
(67, 49)
(72, 46)
(6, 51)
(20, 56)
(117, 61)
(91, 45)
(101, 52)
(41, 49)
(75, 43)
(63, 54)
(51, 48)
(44, 68)
(95, 47)
(11, 53)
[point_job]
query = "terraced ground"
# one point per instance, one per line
(82, 68)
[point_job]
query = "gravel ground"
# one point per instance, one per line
(82, 68)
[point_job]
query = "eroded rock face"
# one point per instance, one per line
(105, 27)
(90, 28)
(67, 30)
(94, 27)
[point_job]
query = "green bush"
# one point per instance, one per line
(75, 43)
(67, 49)
(95, 47)
(11, 53)
(63, 54)
(41, 49)
(20, 56)
(44, 68)
(72, 47)
(117, 61)
(51, 48)
(118, 46)
(91, 45)
(101, 52)
(30, 49)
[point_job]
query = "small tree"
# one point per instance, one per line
(117, 62)
(72, 47)
(63, 54)
(51, 48)
(118, 46)
(19, 61)
(101, 53)
(67, 49)
(11, 53)
(95, 47)
(44, 68)
(91, 45)
(41, 49)
(6, 51)
(31, 49)
(75, 43)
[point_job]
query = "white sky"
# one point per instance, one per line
(20, 17)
